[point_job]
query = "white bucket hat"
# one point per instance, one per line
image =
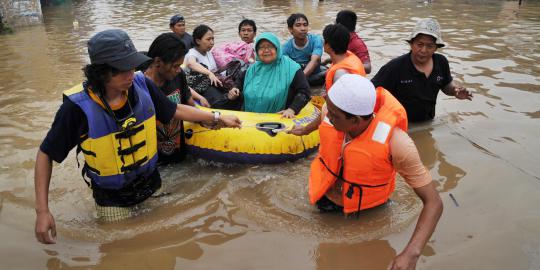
(354, 94)
(430, 27)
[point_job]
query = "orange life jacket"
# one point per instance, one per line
(352, 64)
(366, 168)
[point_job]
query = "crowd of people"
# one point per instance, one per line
(126, 117)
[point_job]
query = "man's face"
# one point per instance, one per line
(300, 29)
(170, 71)
(338, 118)
(179, 28)
(422, 48)
(121, 81)
(246, 33)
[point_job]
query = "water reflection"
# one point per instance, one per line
(329, 256)
(444, 173)
(493, 50)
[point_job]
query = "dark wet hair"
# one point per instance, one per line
(294, 17)
(97, 75)
(199, 32)
(168, 47)
(248, 22)
(347, 18)
(337, 36)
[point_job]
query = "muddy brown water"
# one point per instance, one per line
(484, 152)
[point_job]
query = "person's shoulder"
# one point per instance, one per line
(440, 58)
(69, 105)
(398, 61)
(288, 43)
(316, 37)
(192, 52)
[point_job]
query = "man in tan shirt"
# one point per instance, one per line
(363, 145)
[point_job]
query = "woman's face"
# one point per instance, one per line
(207, 41)
(266, 51)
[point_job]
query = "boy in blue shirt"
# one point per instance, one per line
(305, 49)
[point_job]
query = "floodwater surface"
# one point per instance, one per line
(484, 152)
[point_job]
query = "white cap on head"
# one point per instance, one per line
(353, 94)
(430, 27)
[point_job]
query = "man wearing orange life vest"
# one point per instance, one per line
(336, 40)
(363, 145)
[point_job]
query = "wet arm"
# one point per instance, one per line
(407, 162)
(312, 64)
(197, 96)
(457, 91)
(450, 89)
(192, 64)
(367, 66)
(44, 219)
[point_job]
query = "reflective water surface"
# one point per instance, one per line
(484, 152)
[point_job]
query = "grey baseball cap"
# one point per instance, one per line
(115, 48)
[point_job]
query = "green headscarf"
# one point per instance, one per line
(266, 86)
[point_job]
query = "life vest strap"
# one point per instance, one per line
(86, 152)
(89, 168)
(133, 166)
(350, 191)
(131, 150)
(347, 181)
(128, 132)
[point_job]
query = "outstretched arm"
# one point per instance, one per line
(407, 163)
(457, 91)
(44, 219)
(192, 114)
(431, 212)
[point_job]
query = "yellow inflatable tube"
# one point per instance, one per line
(261, 140)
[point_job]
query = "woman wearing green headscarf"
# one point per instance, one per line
(274, 83)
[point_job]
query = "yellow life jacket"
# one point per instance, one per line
(117, 154)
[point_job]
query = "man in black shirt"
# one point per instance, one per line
(112, 120)
(416, 77)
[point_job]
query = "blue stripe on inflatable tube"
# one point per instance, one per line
(245, 158)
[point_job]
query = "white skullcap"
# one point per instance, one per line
(353, 94)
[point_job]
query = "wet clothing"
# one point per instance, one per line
(414, 91)
(266, 86)
(71, 124)
(171, 141)
(358, 47)
(363, 164)
(406, 161)
(117, 152)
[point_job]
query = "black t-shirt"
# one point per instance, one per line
(178, 83)
(70, 122)
(416, 93)
(177, 91)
